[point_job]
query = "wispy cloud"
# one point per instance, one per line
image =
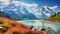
(17, 3)
(29, 5)
(5, 2)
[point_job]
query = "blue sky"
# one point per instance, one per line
(45, 2)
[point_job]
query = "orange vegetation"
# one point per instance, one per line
(12, 27)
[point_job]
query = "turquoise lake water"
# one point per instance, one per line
(40, 23)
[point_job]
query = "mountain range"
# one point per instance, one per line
(16, 12)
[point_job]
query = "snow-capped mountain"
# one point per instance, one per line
(45, 11)
(17, 12)
(18, 9)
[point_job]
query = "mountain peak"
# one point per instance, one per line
(27, 10)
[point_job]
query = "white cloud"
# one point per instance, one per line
(29, 5)
(5, 2)
(18, 3)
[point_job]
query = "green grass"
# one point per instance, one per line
(55, 18)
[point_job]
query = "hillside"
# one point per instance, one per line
(8, 26)
(55, 17)
(2, 14)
